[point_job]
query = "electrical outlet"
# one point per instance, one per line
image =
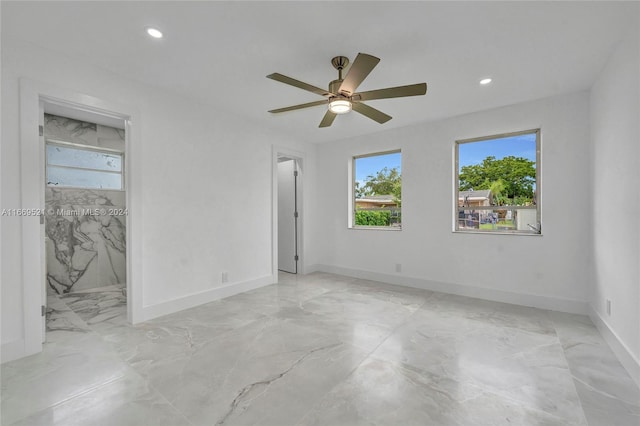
(608, 306)
(398, 267)
(225, 277)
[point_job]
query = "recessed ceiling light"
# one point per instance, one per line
(154, 32)
(485, 81)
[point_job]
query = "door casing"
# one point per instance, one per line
(32, 95)
(287, 211)
(299, 157)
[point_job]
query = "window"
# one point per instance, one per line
(497, 184)
(79, 166)
(377, 191)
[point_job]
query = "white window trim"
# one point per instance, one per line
(351, 223)
(537, 206)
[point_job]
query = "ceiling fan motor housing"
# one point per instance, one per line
(334, 87)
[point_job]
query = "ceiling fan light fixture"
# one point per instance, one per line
(340, 106)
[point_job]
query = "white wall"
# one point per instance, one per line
(615, 140)
(206, 180)
(547, 271)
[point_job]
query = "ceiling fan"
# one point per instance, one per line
(342, 96)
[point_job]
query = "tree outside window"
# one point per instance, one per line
(377, 189)
(497, 183)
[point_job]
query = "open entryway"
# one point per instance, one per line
(85, 211)
(288, 214)
(76, 156)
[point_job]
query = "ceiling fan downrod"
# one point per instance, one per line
(340, 63)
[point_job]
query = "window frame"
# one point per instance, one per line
(352, 192)
(65, 144)
(537, 194)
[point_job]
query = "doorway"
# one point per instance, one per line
(288, 214)
(34, 97)
(84, 219)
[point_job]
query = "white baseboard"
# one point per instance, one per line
(628, 360)
(200, 298)
(310, 269)
(12, 350)
(531, 300)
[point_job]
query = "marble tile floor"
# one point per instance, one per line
(319, 349)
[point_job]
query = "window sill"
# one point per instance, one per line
(86, 188)
(525, 234)
(376, 228)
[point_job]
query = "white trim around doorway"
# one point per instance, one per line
(32, 180)
(300, 159)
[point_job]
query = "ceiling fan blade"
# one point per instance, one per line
(392, 92)
(370, 112)
(358, 71)
(294, 107)
(328, 118)
(299, 84)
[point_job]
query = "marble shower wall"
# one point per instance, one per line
(85, 228)
(81, 132)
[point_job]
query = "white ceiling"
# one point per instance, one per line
(220, 52)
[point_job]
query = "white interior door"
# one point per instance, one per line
(287, 216)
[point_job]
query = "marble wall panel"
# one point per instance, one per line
(81, 132)
(86, 239)
(85, 229)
